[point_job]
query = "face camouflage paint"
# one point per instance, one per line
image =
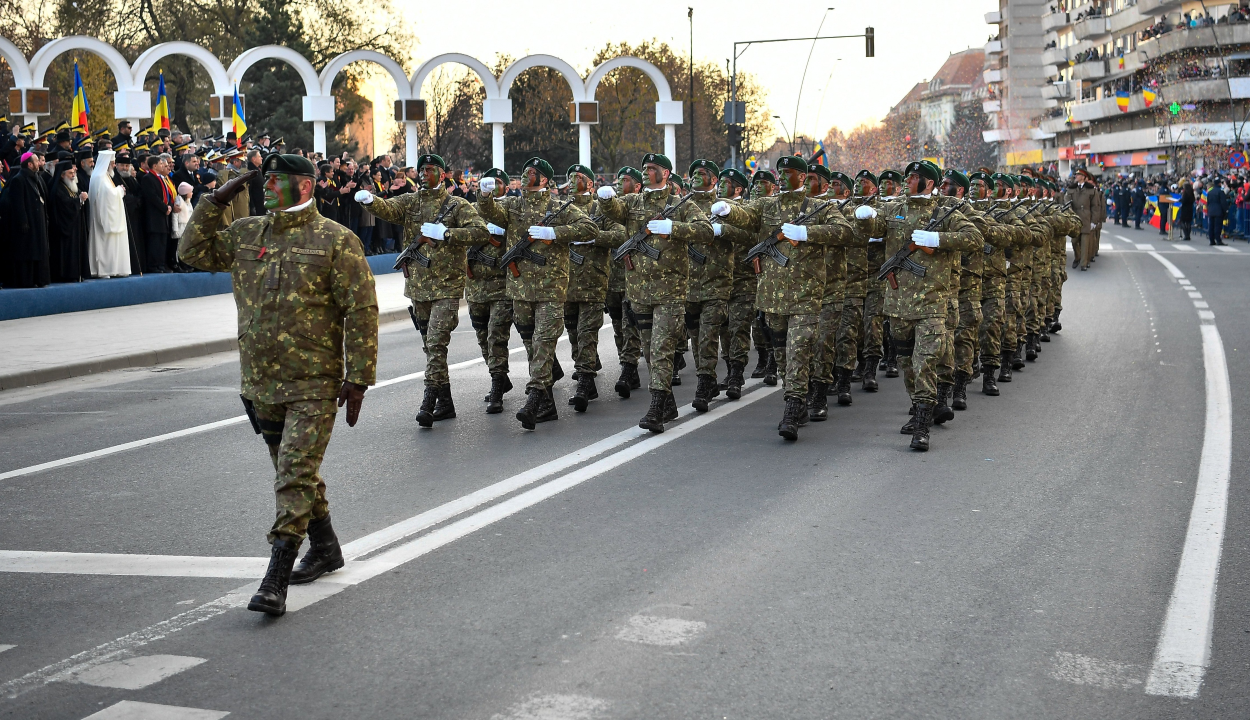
(281, 191)
(431, 176)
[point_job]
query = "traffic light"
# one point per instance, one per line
(735, 134)
(870, 42)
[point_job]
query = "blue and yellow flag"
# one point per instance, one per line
(160, 118)
(237, 123)
(80, 108)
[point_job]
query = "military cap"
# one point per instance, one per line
(121, 147)
(289, 165)
(707, 165)
(432, 160)
(579, 168)
(27, 129)
(1024, 180)
(102, 134)
(182, 146)
(842, 178)
(279, 141)
(823, 172)
(63, 126)
(959, 178)
(262, 136)
(542, 166)
(658, 159)
(497, 173)
(634, 173)
(735, 176)
(763, 175)
(925, 170)
(984, 177)
(865, 175)
(792, 162)
(1003, 178)
(890, 175)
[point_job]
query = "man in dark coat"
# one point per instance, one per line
(124, 176)
(67, 225)
(1217, 208)
(1139, 204)
(24, 251)
(158, 208)
(256, 186)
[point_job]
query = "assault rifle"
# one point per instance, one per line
(901, 260)
(769, 247)
(638, 242)
(521, 251)
(411, 254)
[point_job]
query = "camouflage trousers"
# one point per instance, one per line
(297, 434)
(794, 345)
(758, 338)
(1039, 289)
(993, 311)
(705, 322)
(624, 331)
(539, 324)
(492, 321)
(735, 343)
(660, 326)
(849, 328)
(874, 305)
(1012, 315)
(584, 320)
(946, 358)
(825, 349)
(967, 333)
(919, 343)
(436, 319)
(1058, 275)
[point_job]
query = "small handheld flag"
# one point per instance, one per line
(237, 123)
(160, 117)
(80, 108)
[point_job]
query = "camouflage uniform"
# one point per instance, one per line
(994, 282)
(490, 310)
(975, 273)
(624, 330)
(740, 310)
(874, 294)
(308, 320)
(538, 291)
(435, 291)
(657, 289)
(588, 286)
(711, 285)
(850, 327)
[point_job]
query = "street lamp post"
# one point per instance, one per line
(788, 135)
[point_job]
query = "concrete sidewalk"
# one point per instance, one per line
(37, 350)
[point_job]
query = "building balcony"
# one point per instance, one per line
(991, 106)
(993, 18)
(1056, 21)
(1090, 28)
(1056, 56)
(993, 47)
(993, 75)
(1054, 125)
(1185, 91)
(1058, 90)
(1089, 70)
(1130, 19)
(1194, 38)
(1158, 7)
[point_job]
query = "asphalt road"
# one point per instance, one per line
(1020, 569)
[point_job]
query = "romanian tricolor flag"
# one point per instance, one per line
(1121, 61)
(80, 108)
(1148, 95)
(160, 117)
(1173, 202)
(237, 123)
(820, 157)
(1121, 100)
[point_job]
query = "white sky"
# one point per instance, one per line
(914, 37)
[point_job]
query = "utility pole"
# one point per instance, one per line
(690, 16)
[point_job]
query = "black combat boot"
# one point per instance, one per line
(270, 597)
(586, 391)
(679, 362)
(988, 386)
(1004, 370)
(817, 402)
(857, 375)
(882, 364)
(764, 354)
(844, 385)
(625, 383)
(1055, 325)
(733, 383)
(910, 426)
(959, 394)
(654, 419)
(870, 374)
(792, 419)
(920, 436)
(1030, 347)
(445, 407)
(891, 363)
(557, 372)
(425, 416)
(942, 412)
(1017, 357)
(976, 366)
(770, 370)
(500, 384)
(704, 393)
(540, 407)
(324, 554)
(1043, 335)
(670, 407)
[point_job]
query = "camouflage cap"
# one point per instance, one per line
(632, 172)
(842, 178)
(986, 178)
(893, 175)
(432, 160)
(706, 165)
(866, 175)
(658, 159)
(924, 169)
(792, 162)
(542, 166)
(822, 171)
(957, 177)
(735, 176)
(578, 168)
(763, 175)
(289, 165)
(496, 173)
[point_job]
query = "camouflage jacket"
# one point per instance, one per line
(616, 276)
(305, 298)
(921, 297)
(875, 250)
(857, 257)
(663, 281)
(486, 283)
(588, 282)
(799, 287)
(713, 280)
(444, 278)
(533, 282)
(978, 264)
(1007, 231)
(745, 281)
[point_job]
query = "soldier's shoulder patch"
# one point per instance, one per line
(309, 251)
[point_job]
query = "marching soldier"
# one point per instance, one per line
(624, 329)
(877, 332)
(443, 227)
(308, 334)
(822, 185)
(763, 184)
(736, 339)
(711, 284)
(850, 325)
(870, 330)
(490, 310)
(657, 288)
(994, 273)
(539, 227)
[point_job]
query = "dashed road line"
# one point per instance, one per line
(138, 672)
(131, 710)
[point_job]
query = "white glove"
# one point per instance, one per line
(794, 232)
(880, 239)
(660, 227)
(542, 232)
(487, 185)
(865, 212)
(924, 238)
(495, 229)
(607, 192)
(364, 197)
(721, 208)
(434, 231)
(717, 228)
(1092, 226)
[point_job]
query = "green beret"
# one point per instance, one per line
(634, 173)
(865, 175)
(735, 176)
(821, 171)
(763, 175)
(288, 165)
(983, 177)
(842, 178)
(792, 162)
(1024, 180)
(1003, 178)
(959, 178)
(706, 164)
(890, 175)
(579, 168)
(542, 166)
(432, 160)
(497, 173)
(927, 171)
(658, 159)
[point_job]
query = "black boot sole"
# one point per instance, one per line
(700, 404)
(425, 419)
(653, 426)
(870, 386)
(943, 415)
(845, 399)
(891, 372)
(579, 403)
(328, 568)
(733, 393)
(527, 421)
(959, 405)
(274, 611)
(789, 433)
(919, 445)
(494, 410)
(622, 389)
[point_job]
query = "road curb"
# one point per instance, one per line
(144, 358)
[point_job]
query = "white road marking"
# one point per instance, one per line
(1223, 248)
(131, 710)
(1195, 294)
(556, 707)
(1144, 246)
(1106, 247)
(1176, 272)
(1121, 237)
(29, 561)
(1184, 647)
(6, 647)
(1082, 670)
(136, 673)
(652, 630)
(1186, 248)
(1201, 304)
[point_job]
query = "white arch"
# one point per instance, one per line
(483, 73)
(653, 72)
(573, 78)
(312, 85)
(154, 54)
(331, 71)
(17, 63)
(43, 58)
